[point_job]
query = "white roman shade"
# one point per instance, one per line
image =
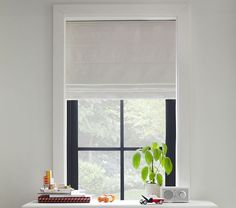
(120, 59)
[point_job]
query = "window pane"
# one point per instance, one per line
(134, 186)
(144, 121)
(99, 172)
(99, 123)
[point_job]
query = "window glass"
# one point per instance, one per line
(99, 123)
(133, 185)
(99, 172)
(144, 121)
(99, 142)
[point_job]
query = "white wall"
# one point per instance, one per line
(213, 142)
(26, 99)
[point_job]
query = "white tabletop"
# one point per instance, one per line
(119, 204)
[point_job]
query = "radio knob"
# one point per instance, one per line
(182, 194)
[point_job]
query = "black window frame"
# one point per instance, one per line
(73, 149)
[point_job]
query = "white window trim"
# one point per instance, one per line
(123, 11)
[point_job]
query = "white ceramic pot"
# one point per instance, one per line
(152, 189)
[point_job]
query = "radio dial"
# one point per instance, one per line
(182, 194)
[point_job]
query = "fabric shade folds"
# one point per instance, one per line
(120, 58)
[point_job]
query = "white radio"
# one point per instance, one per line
(174, 194)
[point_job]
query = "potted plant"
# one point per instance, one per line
(156, 164)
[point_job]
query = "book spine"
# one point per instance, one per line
(47, 199)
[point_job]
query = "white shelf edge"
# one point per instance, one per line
(124, 203)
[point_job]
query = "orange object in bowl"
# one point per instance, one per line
(106, 198)
(100, 198)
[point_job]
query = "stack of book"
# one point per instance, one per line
(63, 196)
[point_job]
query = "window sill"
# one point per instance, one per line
(124, 203)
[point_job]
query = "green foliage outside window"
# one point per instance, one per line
(99, 126)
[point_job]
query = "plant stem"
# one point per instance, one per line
(153, 180)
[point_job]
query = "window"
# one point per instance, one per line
(61, 91)
(102, 135)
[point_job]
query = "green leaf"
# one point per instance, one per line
(152, 177)
(162, 160)
(144, 173)
(164, 148)
(159, 179)
(155, 145)
(156, 154)
(136, 160)
(148, 157)
(168, 165)
(144, 149)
